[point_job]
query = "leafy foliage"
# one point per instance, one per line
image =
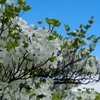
(37, 63)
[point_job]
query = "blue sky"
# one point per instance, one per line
(71, 12)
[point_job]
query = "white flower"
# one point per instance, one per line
(22, 23)
(86, 41)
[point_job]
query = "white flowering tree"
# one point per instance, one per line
(37, 63)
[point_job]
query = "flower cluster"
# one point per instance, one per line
(36, 63)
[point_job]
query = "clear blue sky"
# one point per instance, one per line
(71, 12)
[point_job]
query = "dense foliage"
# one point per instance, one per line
(37, 63)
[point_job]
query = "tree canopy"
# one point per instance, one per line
(37, 63)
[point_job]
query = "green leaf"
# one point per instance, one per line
(17, 10)
(79, 98)
(33, 35)
(56, 97)
(14, 35)
(60, 37)
(53, 59)
(54, 22)
(87, 27)
(95, 40)
(50, 37)
(3, 1)
(92, 17)
(40, 96)
(73, 34)
(39, 22)
(67, 28)
(25, 44)
(63, 46)
(90, 21)
(37, 98)
(90, 37)
(57, 24)
(11, 11)
(88, 90)
(20, 2)
(48, 20)
(26, 8)
(11, 45)
(55, 33)
(80, 26)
